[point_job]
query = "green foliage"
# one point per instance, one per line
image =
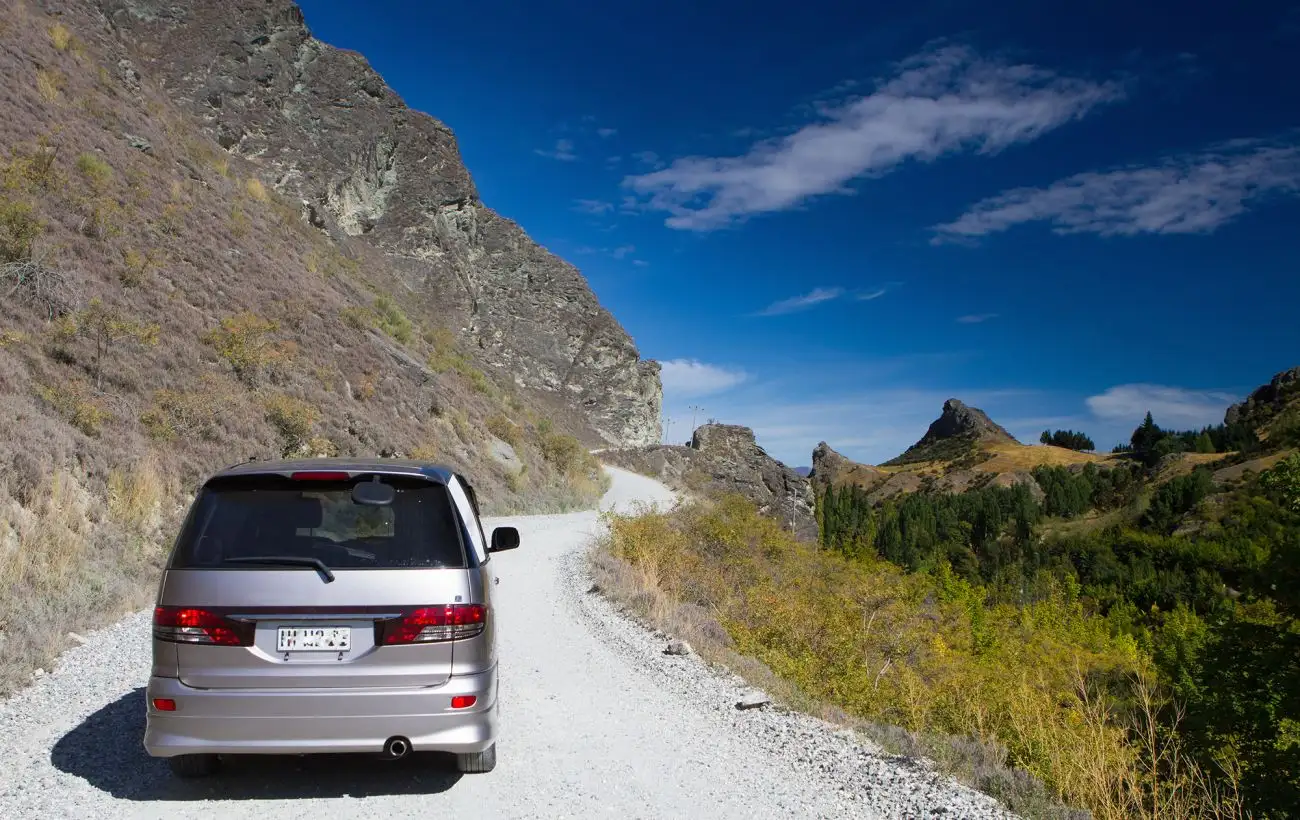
(292, 419)
(1177, 497)
(504, 429)
(245, 342)
(1150, 443)
(1215, 606)
(1284, 479)
(1068, 439)
(95, 170)
(390, 319)
(20, 227)
(108, 329)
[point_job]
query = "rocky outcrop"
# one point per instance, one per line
(958, 430)
(829, 468)
(324, 128)
(726, 458)
(1266, 401)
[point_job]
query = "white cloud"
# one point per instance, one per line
(687, 377)
(1171, 407)
(622, 251)
(1188, 194)
(872, 294)
(649, 158)
(606, 132)
(976, 318)
(592, 206)
(796, 303)
(640, 263)
(563, 151)
(939, 102)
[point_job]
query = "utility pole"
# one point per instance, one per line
(694, 408)
(668, 429)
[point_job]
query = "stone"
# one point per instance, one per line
(504, 454)
(753, 700)
(139, 143)
(678, 648)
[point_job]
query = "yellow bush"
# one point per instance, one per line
(243, 340)
(60, 37)
(96, 170)
(49, 84)
(504, 429)
(256, 190)
(76, 402)
(292, 419)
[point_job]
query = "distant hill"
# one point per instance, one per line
(962, 449)
(803, 471)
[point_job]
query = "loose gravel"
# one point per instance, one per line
(597, 722)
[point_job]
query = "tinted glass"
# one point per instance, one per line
(260, 516)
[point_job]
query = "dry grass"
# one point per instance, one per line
(1011, 699)
(1009, 458)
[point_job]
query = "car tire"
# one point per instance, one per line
(477, 762)
(200, 765)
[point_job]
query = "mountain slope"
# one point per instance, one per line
(169, 311)
(319, 125)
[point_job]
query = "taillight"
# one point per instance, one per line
(319, 475)
(189, 625)
(433, 623)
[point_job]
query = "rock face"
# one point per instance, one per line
(325, 129)
(725, 457)
(1266, 401)
(958, 428)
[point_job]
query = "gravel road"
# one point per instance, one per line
(597, 722)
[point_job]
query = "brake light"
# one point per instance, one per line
(434, 623)
(189, 625)
(319, 475)
(168, 705)
(463, 701)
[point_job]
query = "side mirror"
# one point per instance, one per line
(504, 538)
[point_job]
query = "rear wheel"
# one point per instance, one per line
(200, 765)
(477, 762)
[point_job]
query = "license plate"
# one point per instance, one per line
(314, 639)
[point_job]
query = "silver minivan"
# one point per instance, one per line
(327, 605)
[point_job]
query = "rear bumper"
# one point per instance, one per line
(319, 721)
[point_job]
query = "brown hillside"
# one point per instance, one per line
(168, 310)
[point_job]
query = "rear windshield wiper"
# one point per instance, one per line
(286, 560)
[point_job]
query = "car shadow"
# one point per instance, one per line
(106, 750)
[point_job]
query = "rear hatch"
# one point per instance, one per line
(291, 582)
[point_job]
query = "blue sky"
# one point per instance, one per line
(824, 219)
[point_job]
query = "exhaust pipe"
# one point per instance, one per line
(396, 748)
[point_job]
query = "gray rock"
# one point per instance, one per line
(753, 700)
(678, 648)
(139, 143)
(329, 133)
(504, 454)
(726, 458)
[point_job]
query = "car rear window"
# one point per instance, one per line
(257, 516)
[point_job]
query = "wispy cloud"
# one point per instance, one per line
(939, 102)
(814, 297)
(648, 158)
(606, 133)
(640, 263)
(685, 378)
(976, 318)
(1171, 407)
(875, 293)
(592, 206)
(1188, 194)
(563, 151)
(622, 251)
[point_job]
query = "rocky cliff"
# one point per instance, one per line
(726, 458)
(959, 428)
(1267, 402)
(323, 128)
